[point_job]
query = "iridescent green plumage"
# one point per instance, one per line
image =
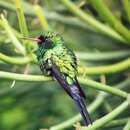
(57, 60)
(63, 57)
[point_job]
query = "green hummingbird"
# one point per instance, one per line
(57, 60)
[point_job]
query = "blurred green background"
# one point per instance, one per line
(36, 105)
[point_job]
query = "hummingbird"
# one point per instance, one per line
(57, 60)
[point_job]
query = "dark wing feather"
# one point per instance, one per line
(59, 77)
(82, 94)
(74, 91)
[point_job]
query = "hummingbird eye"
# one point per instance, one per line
(48, 44)
(41, 39)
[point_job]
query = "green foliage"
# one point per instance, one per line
(98, 32)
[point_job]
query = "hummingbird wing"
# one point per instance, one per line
(59, 77)
(74, 91)
(80, 89)
(74, 64)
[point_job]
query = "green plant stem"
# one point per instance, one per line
(102, 56)
(103, 87)
(127, 126)
(124, 84)
(80, 55)
(21, 18)
(66, 20)
(7, 5)
(51, 16)
(109, 117)
(15, 60)
(117, 122)
(126, 4)
(23, 77)
(118, 67)
(92, 21)
(87, 70)
(88, 82)
(91, 108)
(10, 33)
(41, 17)
(107, 15)
(23, 25)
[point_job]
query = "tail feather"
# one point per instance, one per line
(81, 104)
(75, 93)
(82, 108)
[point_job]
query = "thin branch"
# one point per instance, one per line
(103, 87)
(53, 16)
(15, 60)
(127, 126)
(22, 23)
(23, 77)
(107, 69)
(40, 14)
(108, 16)
(126, 4)
(92, 21)
(109, 117)
(102, 56)
(118, 67)
(88, 82)
(117, 122)
(10, 33)
(21, 18)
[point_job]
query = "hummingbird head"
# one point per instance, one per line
(49, 40)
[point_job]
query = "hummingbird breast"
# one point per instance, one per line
(63, 58)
